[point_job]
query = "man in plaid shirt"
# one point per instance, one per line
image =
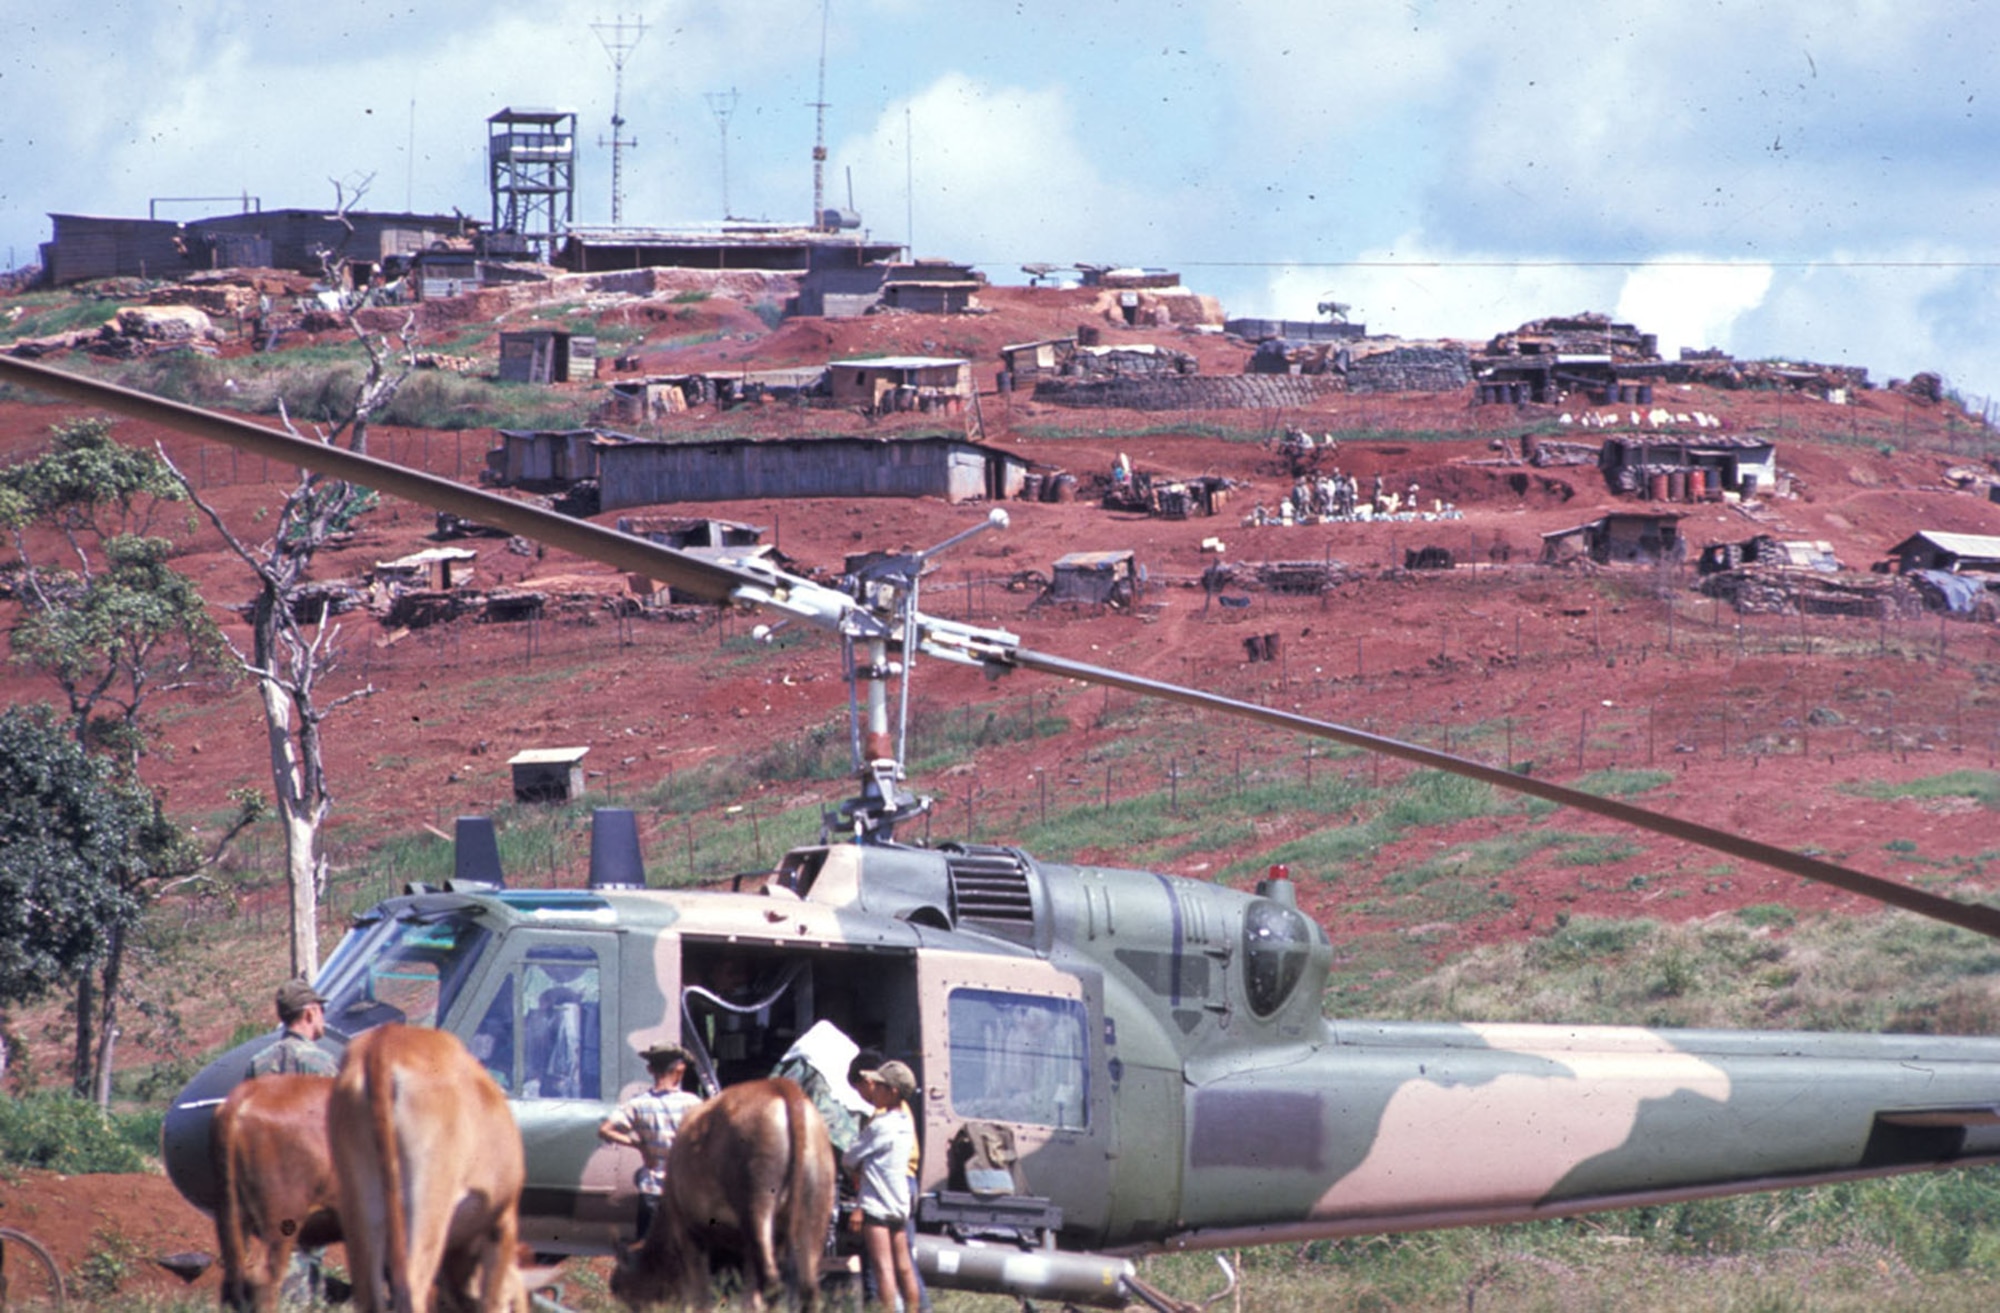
(649, 1121)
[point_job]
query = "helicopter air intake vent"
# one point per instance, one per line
(991, 891)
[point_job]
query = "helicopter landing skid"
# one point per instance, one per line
(1155, 1298)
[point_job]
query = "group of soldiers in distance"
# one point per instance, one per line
(1317, 498)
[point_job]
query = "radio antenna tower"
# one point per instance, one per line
(722, 104)
(619, 40)
(819, 126)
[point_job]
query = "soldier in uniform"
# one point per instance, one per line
(302, 1012)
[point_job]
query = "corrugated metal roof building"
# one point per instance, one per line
(87, 247)
(640, 473)
(1934, 549)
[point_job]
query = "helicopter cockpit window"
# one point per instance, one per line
(406, 969)
(560, 1024)
(1277, 941)
(1019, 1058)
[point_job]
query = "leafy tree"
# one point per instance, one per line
(103, 613)
(106, 617)
(72, 837)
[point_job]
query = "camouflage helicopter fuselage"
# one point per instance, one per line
(1155, 1044)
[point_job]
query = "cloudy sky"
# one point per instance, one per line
(1815, 179)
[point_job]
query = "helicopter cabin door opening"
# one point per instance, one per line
(746, 1002)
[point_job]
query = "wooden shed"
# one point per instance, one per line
(546, 355)
(546, 457)
(880, 384)
(548, 774)
(1098, 578)
(1620, 538)
(1957, 553)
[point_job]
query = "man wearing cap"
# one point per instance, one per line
(303, 1014)
(649, 1121)
(880, 1158)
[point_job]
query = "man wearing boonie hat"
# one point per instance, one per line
(880, 1160)
(302, 1012)
(649, 1122)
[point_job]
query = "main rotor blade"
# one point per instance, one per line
(705, 579)
(724, 583)
(1976, 917)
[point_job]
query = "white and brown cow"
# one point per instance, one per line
(430, 1168)
(278, 1187)
(750, 1183)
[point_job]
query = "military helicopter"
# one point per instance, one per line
(1156, 1045)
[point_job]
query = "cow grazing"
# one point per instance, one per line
(750, 1182)
(430, 1168)
(277, 1183)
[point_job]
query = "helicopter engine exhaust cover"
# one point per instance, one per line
(476, 853)
(615, 860)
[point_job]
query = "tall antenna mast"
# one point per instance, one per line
(619, 40)
(819, 126)
(722, 104)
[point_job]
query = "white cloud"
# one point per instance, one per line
(1000, 173)
(1692, 304)
(1413, 290)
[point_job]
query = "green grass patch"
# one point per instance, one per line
(1622, 783)
(1922, 1241)
(1981, 785)
(48, 313)
(1885, 973)
(1773, 916)
(1597, 850)
(317, 384)
(1480, 860)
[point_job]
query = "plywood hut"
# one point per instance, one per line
(548, 774)
(1620, 538)
(546, 355)
(1096, 578)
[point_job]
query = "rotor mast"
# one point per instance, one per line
(880, 640)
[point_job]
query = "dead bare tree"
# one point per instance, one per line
(293, 645)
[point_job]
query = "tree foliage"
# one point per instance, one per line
(104, 614)
(72, 836)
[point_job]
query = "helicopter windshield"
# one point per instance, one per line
(407, 967)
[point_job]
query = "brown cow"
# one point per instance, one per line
(430, 1168)
(751, 1178)
(277, 1182)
